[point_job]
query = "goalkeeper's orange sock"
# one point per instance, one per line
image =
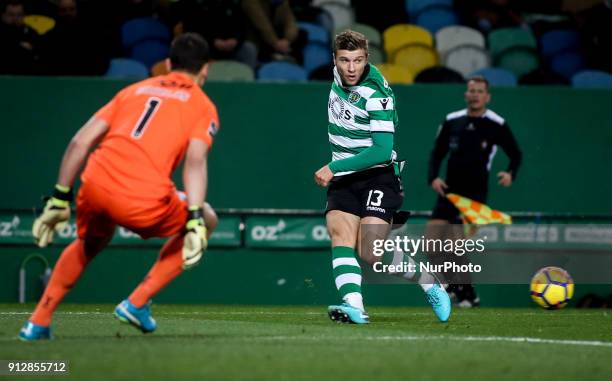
(68, 269)
(169, 265)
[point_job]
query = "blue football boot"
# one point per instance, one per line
(346, 313)
(138, 317)
(440, 302)
(33, 332)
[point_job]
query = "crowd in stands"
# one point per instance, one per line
(554, 42)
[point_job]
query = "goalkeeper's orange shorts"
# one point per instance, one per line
(100, 210)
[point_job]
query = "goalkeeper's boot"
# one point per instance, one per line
(345, 313)
(440, 302)
(34, 332)
(138, 317)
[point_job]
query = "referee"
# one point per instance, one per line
(470, 138)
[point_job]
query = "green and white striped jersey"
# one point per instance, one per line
(355, 112)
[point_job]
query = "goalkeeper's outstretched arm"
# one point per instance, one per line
(79, 148)
(195, 179)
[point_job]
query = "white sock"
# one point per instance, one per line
(355, 299)
(425, 280)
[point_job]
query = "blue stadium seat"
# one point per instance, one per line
(414, 7)
(281, 71)
(592, 79)
(568, 63)
(316, 33)
(316, 55)
(150, 52)
(559, 41)
(436, 17)
(497, 77)
(141, 29)
(126, 68)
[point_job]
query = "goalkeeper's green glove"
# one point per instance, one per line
(195, 241)
(55, 213)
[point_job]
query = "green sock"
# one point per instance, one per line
(347, 274)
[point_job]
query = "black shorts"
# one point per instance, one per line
(375, 192)
(445, 210)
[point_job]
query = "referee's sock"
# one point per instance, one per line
(424, 279)
(347, 274)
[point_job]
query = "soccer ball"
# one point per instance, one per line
(551, 288)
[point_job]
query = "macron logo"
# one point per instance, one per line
(383, 103)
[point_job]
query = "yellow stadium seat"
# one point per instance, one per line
(41, 24)
(396, 74)
(416, 58)
(399, 35)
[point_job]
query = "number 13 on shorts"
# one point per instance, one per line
(377, 198)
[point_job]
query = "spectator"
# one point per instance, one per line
(486, 15)
(18, 43)
(72, 47)
(274, 30)
(221, 23)
(597, 32)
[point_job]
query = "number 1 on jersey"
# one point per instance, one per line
(151, 106)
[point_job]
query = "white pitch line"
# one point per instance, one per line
(509, 339)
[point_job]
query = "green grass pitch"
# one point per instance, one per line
(300, 343)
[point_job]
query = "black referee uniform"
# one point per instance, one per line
(472, 144)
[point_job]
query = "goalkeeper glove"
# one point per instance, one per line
(55, 213)
(195, 241)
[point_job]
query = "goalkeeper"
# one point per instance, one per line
(141, 135)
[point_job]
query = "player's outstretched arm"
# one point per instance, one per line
(195, 179)
(57, 208)
(78, 149)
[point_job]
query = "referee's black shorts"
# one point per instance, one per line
(375, 192)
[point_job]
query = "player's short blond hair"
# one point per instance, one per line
(350, 40)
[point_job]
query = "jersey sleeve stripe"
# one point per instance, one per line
(382, 126)
(378, 104)
(382, 115)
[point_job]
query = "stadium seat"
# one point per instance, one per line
(230, 71)
(466, 59)
(316, 33)
(325, 19)
(374, 37)
(149, 52)
(437, 17)
(281, 71)
(453, 36)
(519, 60)
(315, 55)
(415, 7)
(504, 39)
(322, 73)
(396, 74)
(592, 79)
(439, 74)
(497, 77)
(40, 23)
(376, 55)
(396, 36)
(127, 68)
(559, 41)
(142, 29)
(341, 12)
(567, 63)
(318, 3)
(416, 57)
(543, 76)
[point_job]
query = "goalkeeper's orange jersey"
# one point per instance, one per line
(151, 124)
